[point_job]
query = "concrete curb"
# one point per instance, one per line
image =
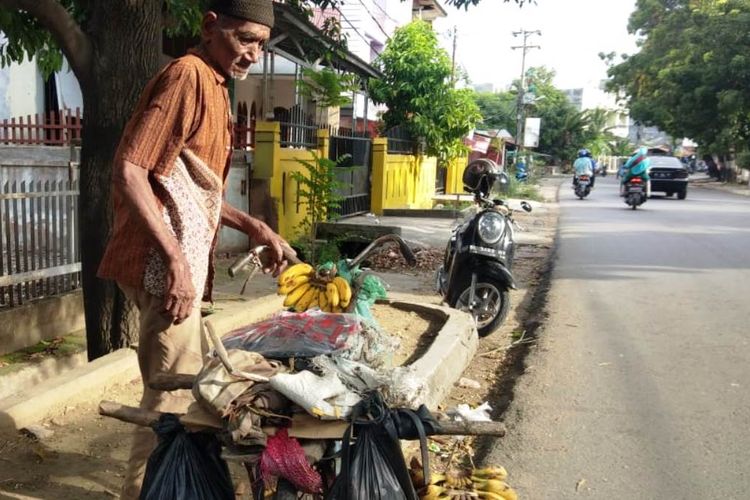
(82, 384)
(450, 353)
(37, 373)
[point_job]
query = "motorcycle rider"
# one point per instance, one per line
(584, 165)
(636, 166)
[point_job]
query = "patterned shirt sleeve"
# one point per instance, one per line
(163, 120)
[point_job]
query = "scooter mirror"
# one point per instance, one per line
(526, 206)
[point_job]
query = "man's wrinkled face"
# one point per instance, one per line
(233, 44)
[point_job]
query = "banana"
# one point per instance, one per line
(293, 284)
(491, 473)
(431, 492)
(489, 495)
(453, 479)
(323, 301)
(333, 294)
(492, 485)
(295, 270)
(306, 301)
(295, 295)
(345, 291)
(509, 494)
(417, 478)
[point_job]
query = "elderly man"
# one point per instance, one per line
(168, 179)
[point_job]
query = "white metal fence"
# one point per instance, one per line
(39, 250)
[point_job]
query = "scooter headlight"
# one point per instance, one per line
(491, 227)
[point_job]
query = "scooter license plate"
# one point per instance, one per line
(635, 189)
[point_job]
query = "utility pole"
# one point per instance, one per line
(453, 57)
(522, 85)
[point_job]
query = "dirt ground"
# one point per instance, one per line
(85, 456)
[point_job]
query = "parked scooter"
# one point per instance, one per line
(582, 187)
(476, 271)
(522, 173)
(635, 192)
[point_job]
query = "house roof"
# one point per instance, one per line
(296, 38)
(429, 10)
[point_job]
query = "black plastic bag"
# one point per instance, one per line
(185, 466)
(373, 467)
(407, 423)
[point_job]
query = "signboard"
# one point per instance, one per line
(478, 143)
(531, 132)
(481, 143)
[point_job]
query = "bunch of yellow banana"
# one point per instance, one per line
(487, 483)
(305, 288)
(490, 484)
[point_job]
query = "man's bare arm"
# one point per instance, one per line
(131, 182)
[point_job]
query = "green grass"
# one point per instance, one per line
(452, 205)
(59, 347)
(524, 190)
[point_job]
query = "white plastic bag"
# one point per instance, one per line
(323, 397)
(466, 413)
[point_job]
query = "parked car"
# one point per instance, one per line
(668, 175)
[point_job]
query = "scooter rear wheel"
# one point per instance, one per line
(490, 307)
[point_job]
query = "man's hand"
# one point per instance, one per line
(180, 294)
(261, 234)
(264, 235)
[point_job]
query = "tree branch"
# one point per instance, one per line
(74, 43)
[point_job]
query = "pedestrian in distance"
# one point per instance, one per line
(168, 179)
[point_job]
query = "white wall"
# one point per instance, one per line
(21, 90)
(68, 90)
(367, 23)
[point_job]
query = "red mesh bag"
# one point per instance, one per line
(284, 457)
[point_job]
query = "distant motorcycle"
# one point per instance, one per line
(635, 192)
(582, 187)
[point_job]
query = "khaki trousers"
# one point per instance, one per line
(162, 347)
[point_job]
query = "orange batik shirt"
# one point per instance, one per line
(181, 133)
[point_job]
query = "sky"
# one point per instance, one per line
(574, 32)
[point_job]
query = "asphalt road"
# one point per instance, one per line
(640, 384)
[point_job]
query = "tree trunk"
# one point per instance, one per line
(126, 38)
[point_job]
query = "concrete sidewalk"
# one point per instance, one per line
(703, 181)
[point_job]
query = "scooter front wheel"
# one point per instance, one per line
(490, 305)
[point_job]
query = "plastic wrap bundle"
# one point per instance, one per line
(284, 457)
(369, 288)
(371, 346)
(295, 335)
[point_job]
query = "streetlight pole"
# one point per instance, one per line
(522, 84)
